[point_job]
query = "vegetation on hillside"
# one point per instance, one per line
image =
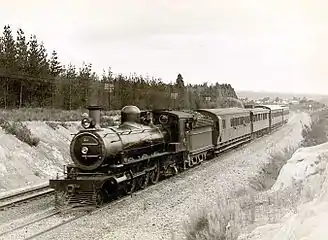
(19, 130)
(31, 78)
(317, 132)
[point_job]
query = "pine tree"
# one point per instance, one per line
(1, 54)
(179, 81)
(9, 50)
(85, 78)
(22, 52)
(8, 63)
(68, 92)
(55, 67)
(181, 89)
(33, 57)
(43, 61)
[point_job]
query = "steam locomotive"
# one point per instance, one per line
(148, 145)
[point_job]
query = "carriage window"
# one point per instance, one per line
(223, 123)
(234, 122)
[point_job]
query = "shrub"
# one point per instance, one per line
(53, 125)
(37, 173)
(64, 125)
(316, 133)
(225, 221)
(20, 131)
(106, 121)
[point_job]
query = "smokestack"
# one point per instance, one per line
(94, 114)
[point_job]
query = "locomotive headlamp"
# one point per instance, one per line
(84, 150)
(86, 123)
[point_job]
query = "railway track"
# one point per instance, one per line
(49, 221)
(11, 200)
(38, 228)
(52, 219)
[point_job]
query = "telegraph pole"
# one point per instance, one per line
(109, 87)
(174, 96)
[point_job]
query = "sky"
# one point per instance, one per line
(258, 45)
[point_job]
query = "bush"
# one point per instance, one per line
(64, 125)
(53, 125)
(106, 121)
(20, 131)
(315, 134)
(222, 223)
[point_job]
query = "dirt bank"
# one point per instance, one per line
(22, 165)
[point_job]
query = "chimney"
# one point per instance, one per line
(94, 114)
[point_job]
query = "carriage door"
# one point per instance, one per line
(219, 129)
(252, 122)
(270, 119)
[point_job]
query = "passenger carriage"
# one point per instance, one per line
(260, 121)
(276, 115)
(232, 126)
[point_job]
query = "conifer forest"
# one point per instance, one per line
(33, 76)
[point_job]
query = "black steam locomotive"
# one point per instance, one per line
(148, 145)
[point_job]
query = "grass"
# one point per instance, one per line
(55, 125)
(19, 130)
(224, 222)
(40, 114)
(46, 114)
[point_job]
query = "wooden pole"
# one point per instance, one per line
(6, 94)
(21, 94)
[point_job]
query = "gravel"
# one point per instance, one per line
(160, 211)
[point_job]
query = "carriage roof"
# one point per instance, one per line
(270, 107)
(259, 110)
(225, 111)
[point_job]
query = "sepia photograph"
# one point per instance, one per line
(163, 120)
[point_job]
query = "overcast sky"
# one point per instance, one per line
(271, 45)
